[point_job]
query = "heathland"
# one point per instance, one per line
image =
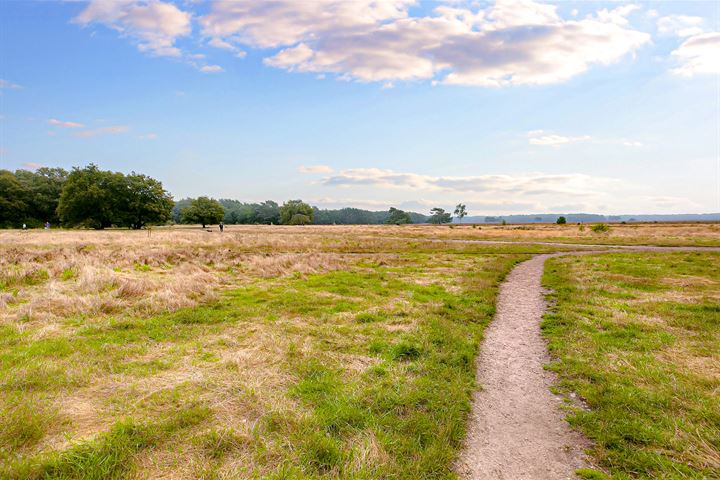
(337, 351)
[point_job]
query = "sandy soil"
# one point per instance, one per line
(517, 429)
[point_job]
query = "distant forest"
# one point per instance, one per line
(93, 198)
(267, 212)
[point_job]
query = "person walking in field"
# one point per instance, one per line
(222, 227)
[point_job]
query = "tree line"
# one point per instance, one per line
(93, 198)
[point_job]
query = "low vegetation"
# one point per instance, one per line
(636, 337)
(209, 357)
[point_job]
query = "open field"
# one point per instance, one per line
(191, 355)
(293, 352)
(638, 339)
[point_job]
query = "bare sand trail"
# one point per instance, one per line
(517, 429)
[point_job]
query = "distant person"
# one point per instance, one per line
(47, 225)
(24, 227)
(222, 227)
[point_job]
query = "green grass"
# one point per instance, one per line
(637, 337)
(376, 366)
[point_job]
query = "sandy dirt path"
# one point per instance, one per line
(517, 429)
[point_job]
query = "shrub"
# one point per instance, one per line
(600, 228)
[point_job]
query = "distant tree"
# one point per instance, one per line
(14, 199)
(92, 197)
(268, 212)
(179, 206)
(398, 217)
(203, 210)
(300, 219)
(439, 215)
(146, 202)
(460, 212)
(44, 187)
(292, 208)
(561, 220)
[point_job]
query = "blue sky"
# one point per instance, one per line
(509, 106)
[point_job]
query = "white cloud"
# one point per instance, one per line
(539, 137)
(6, 84)
(632, 143)
(699, 54)
(269, 24)
(148, 136)
(510, 43)
(211, 69)
(314, 169)
(529, 184)
(497, 194)
(103, 131)
(63, 124)
(154, 25)
(680, 25)
(222, 44)
(32, 166)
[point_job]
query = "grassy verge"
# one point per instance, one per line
(637, 337)
(361, 372)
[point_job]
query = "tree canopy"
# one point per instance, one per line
(460, 211)
(291, 208)
(99, 199)
(30, 197)
(203, 210)
(439, 215)
(398, 217)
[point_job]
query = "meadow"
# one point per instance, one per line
(328, 352)
(637, 338)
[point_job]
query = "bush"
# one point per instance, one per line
(600, 228)
(561, 221)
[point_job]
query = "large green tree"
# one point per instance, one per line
(14, 200)
(439, 215)
(203, 210)
(146, 202)
(99, 199)
(93, 198)
(44, 187)
(398, 217)
(292, 208)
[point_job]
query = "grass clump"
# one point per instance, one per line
(643, 356)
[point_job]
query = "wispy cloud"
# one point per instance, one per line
(529, 184)
(698, 55)
(32, 166)
(103, 131)
(314, 169)
(154, 26)
(64, 124)
(680, 25)
(6, 84)
(148, 136)
(211, 69)
(542, 138)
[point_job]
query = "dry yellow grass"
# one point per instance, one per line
(85, 324)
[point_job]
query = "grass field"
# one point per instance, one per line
(190, 355)
(637, 338)
(318, 352)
